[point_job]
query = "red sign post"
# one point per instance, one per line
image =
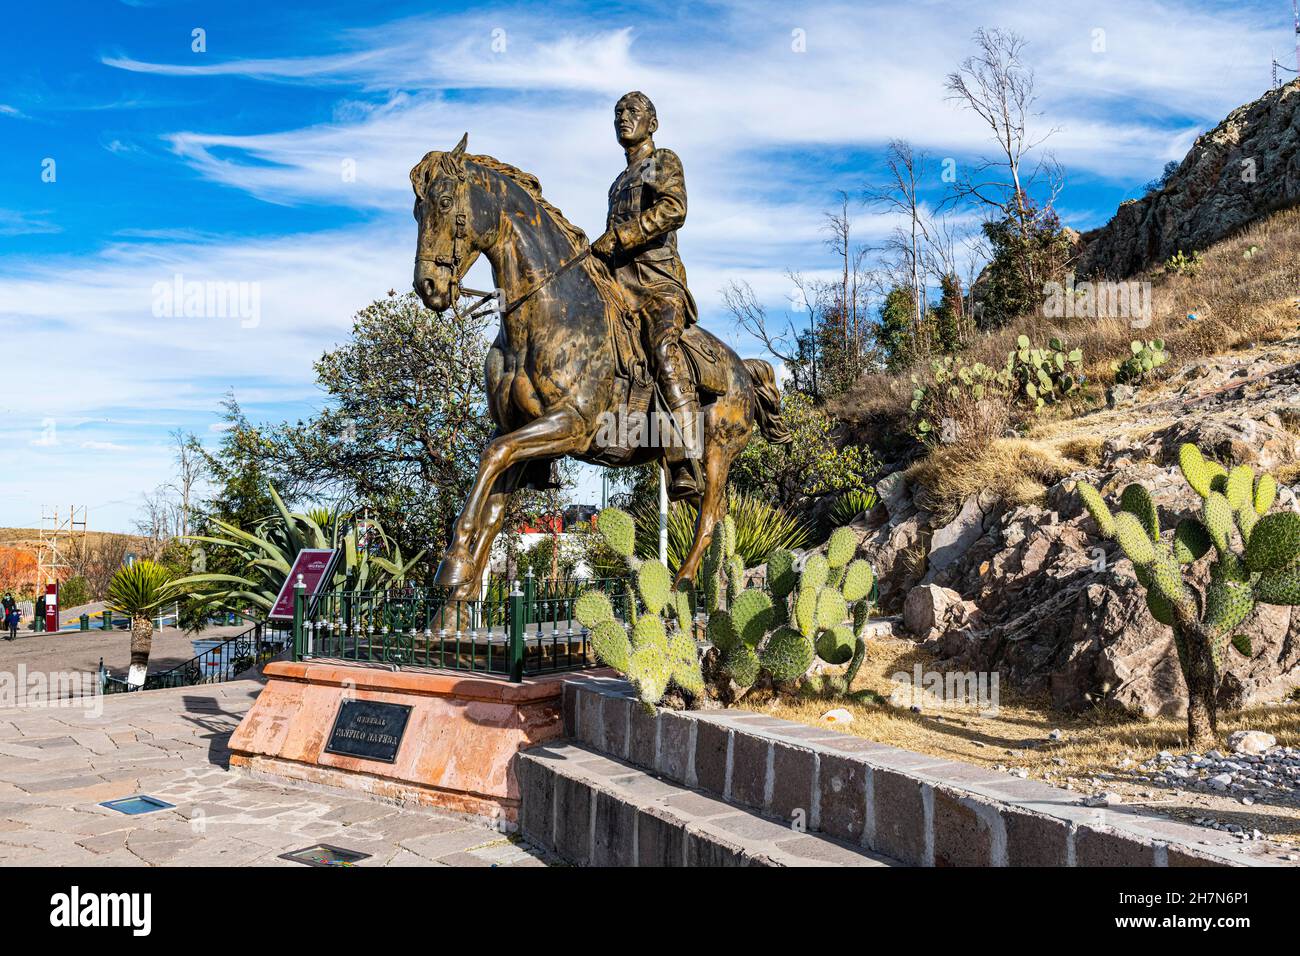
(52, 606)
(316, 566)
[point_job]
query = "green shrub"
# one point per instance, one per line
(74, 592)
(1181, 264)
(849, 504)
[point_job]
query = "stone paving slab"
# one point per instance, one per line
(57, 763)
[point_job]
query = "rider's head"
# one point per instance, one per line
(634, 119)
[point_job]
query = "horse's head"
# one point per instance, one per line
(447, 245)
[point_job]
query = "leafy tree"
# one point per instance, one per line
(948, 318)
(810, 465)
(896, 333)
(1025, 256)
(405, 421)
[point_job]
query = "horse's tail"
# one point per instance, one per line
(767, 401)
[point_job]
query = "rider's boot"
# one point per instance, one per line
(684, 446)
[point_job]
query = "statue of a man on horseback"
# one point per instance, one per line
(567, 355)
(647, 205)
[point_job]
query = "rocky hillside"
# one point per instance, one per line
(1028, 590)
(1245, 168)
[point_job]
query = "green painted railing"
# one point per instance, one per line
(529, 630)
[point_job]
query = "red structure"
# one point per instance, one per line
(52, 606)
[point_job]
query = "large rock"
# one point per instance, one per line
(1245, 168)
(925, 612)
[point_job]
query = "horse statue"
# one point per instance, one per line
(568, 358)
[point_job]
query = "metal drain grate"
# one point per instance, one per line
(137, 804)
(322, 854)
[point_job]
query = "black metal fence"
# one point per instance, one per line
(222, 662)
(526, 631)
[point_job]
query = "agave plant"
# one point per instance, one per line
(760, 529)
(267, 553)
(136, 591)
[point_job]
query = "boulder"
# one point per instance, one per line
(1251, 742)
(930, 610)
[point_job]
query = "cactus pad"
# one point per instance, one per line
(751, 613)
(649, 629)
(722, 631)
(781, 575)
(609, 641)
(1194, 469)
(835, 644)
(815, 571)
(1132, 537)
(1227, 604)
(1241, 482)
(1218, 520)
(831, 608)
(1092, 500)
(655, 585)
(741, 664)
(1265, 493)
(1274, 542)
(1280, 586)
(805, 611)
(649, 668)
(787, 656)
(1136, 500)
(841, 547)
(1191, 541)
(618, 529)
(592, 607)
(858, 579)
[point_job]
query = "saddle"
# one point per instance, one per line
(703, 359)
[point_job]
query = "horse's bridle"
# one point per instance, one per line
(460, 233)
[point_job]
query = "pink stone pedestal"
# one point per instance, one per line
(458, 752)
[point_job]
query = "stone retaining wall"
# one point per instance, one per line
(911, 807)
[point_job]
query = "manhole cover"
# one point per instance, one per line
(322, 854)
(137, 804)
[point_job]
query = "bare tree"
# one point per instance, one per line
(160, 516)
(189, 471)
(998, 87)
(902, 195)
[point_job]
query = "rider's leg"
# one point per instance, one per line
(684, 441)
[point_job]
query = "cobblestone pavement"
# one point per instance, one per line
(57, 764)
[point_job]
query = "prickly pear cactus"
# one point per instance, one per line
(1263, 569)
(819, 611)
(659, 652)
(1042, 377)
(1144, 358)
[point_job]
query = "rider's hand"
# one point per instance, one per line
(605, 245)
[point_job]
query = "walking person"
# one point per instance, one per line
(11, 616)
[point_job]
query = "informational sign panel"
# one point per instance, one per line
(52, 607)
(316, 566)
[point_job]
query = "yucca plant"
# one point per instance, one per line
(267, 553)
(851, 503)
(761, 528)
(136, 591)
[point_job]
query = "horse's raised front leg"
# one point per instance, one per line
(558, 432)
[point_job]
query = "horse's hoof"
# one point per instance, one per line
(454, 571)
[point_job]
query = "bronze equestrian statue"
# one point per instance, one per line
(571, 352)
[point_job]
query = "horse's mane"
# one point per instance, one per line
(609, 288)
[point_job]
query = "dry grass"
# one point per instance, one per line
(1085, 449)
(1094, 742)
(1018, 470)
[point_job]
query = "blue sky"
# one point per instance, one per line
(226, 165)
